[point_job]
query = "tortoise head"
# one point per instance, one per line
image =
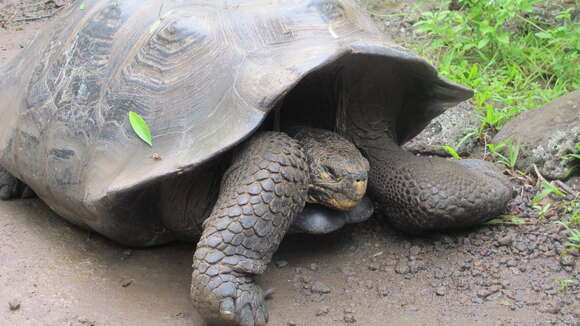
(338, 171)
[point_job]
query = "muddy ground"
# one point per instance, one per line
(52, 273)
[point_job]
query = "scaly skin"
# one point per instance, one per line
(416, 194)
(261, 193)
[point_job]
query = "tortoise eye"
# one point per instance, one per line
(330, 171)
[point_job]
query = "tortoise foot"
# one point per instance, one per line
(229, 299)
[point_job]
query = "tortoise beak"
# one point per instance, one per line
(360, 188)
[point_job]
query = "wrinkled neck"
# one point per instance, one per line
(370, 101)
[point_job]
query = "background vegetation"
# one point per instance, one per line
(516, 55)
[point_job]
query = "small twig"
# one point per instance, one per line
(540, 177)
(567, 188)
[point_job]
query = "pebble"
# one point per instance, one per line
(349, 318)
(512, 263)
(520, 246)
(484, 293)
(402, 267)
(383, 291)
(14, 305)
(281, 263)
(319, 287)
(414, 251)
(415, 266)
(551, 307)
(441, 291)
(323, 311)
(567, 260)
(506, 241)
(126, 283)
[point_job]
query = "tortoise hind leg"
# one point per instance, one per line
(420, 194)
(260, 195)
(11, 187)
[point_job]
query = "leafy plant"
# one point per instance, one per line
(511, 56)
(573, 155)
(513, 152)
(514, 220)
(564, 284)
(140, 127)
(451, 151)
(547, 188)
(542, 210)
(572, 225)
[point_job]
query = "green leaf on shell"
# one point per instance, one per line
(82, 6)
(140, 127)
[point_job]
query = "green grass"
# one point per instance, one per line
(514, 59)
(563, 285)
(572, 225)
(511, 158)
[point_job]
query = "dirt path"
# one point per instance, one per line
(52, 273)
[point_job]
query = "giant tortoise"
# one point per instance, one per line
(222, 83)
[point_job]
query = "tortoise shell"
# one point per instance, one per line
(204, 75)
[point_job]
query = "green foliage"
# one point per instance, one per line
(82, 6)
(572, 156)
(513, 152)
(572, 225)
(564, 284)
(547, 188)
(511, 56)
(542, 210)
(140, 127)
(513, 220)
(451, 151)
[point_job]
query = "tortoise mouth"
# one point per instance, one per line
(334, 196)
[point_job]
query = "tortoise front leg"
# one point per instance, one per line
(260, 195)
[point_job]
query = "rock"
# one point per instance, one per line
(415, 266)
(319, 287)
(349, 318)
(551, 307)
(506, 241)
(567, 260)
(414, 251)
(484, 293)
(14, 305)
(441, 291)
(126, 283)
(323, 311)
(383, 291)
(546, 134)
(281, 263)
(447, 129)
(291, 323)
(402, 267)
(373, 267)
(512, 263)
